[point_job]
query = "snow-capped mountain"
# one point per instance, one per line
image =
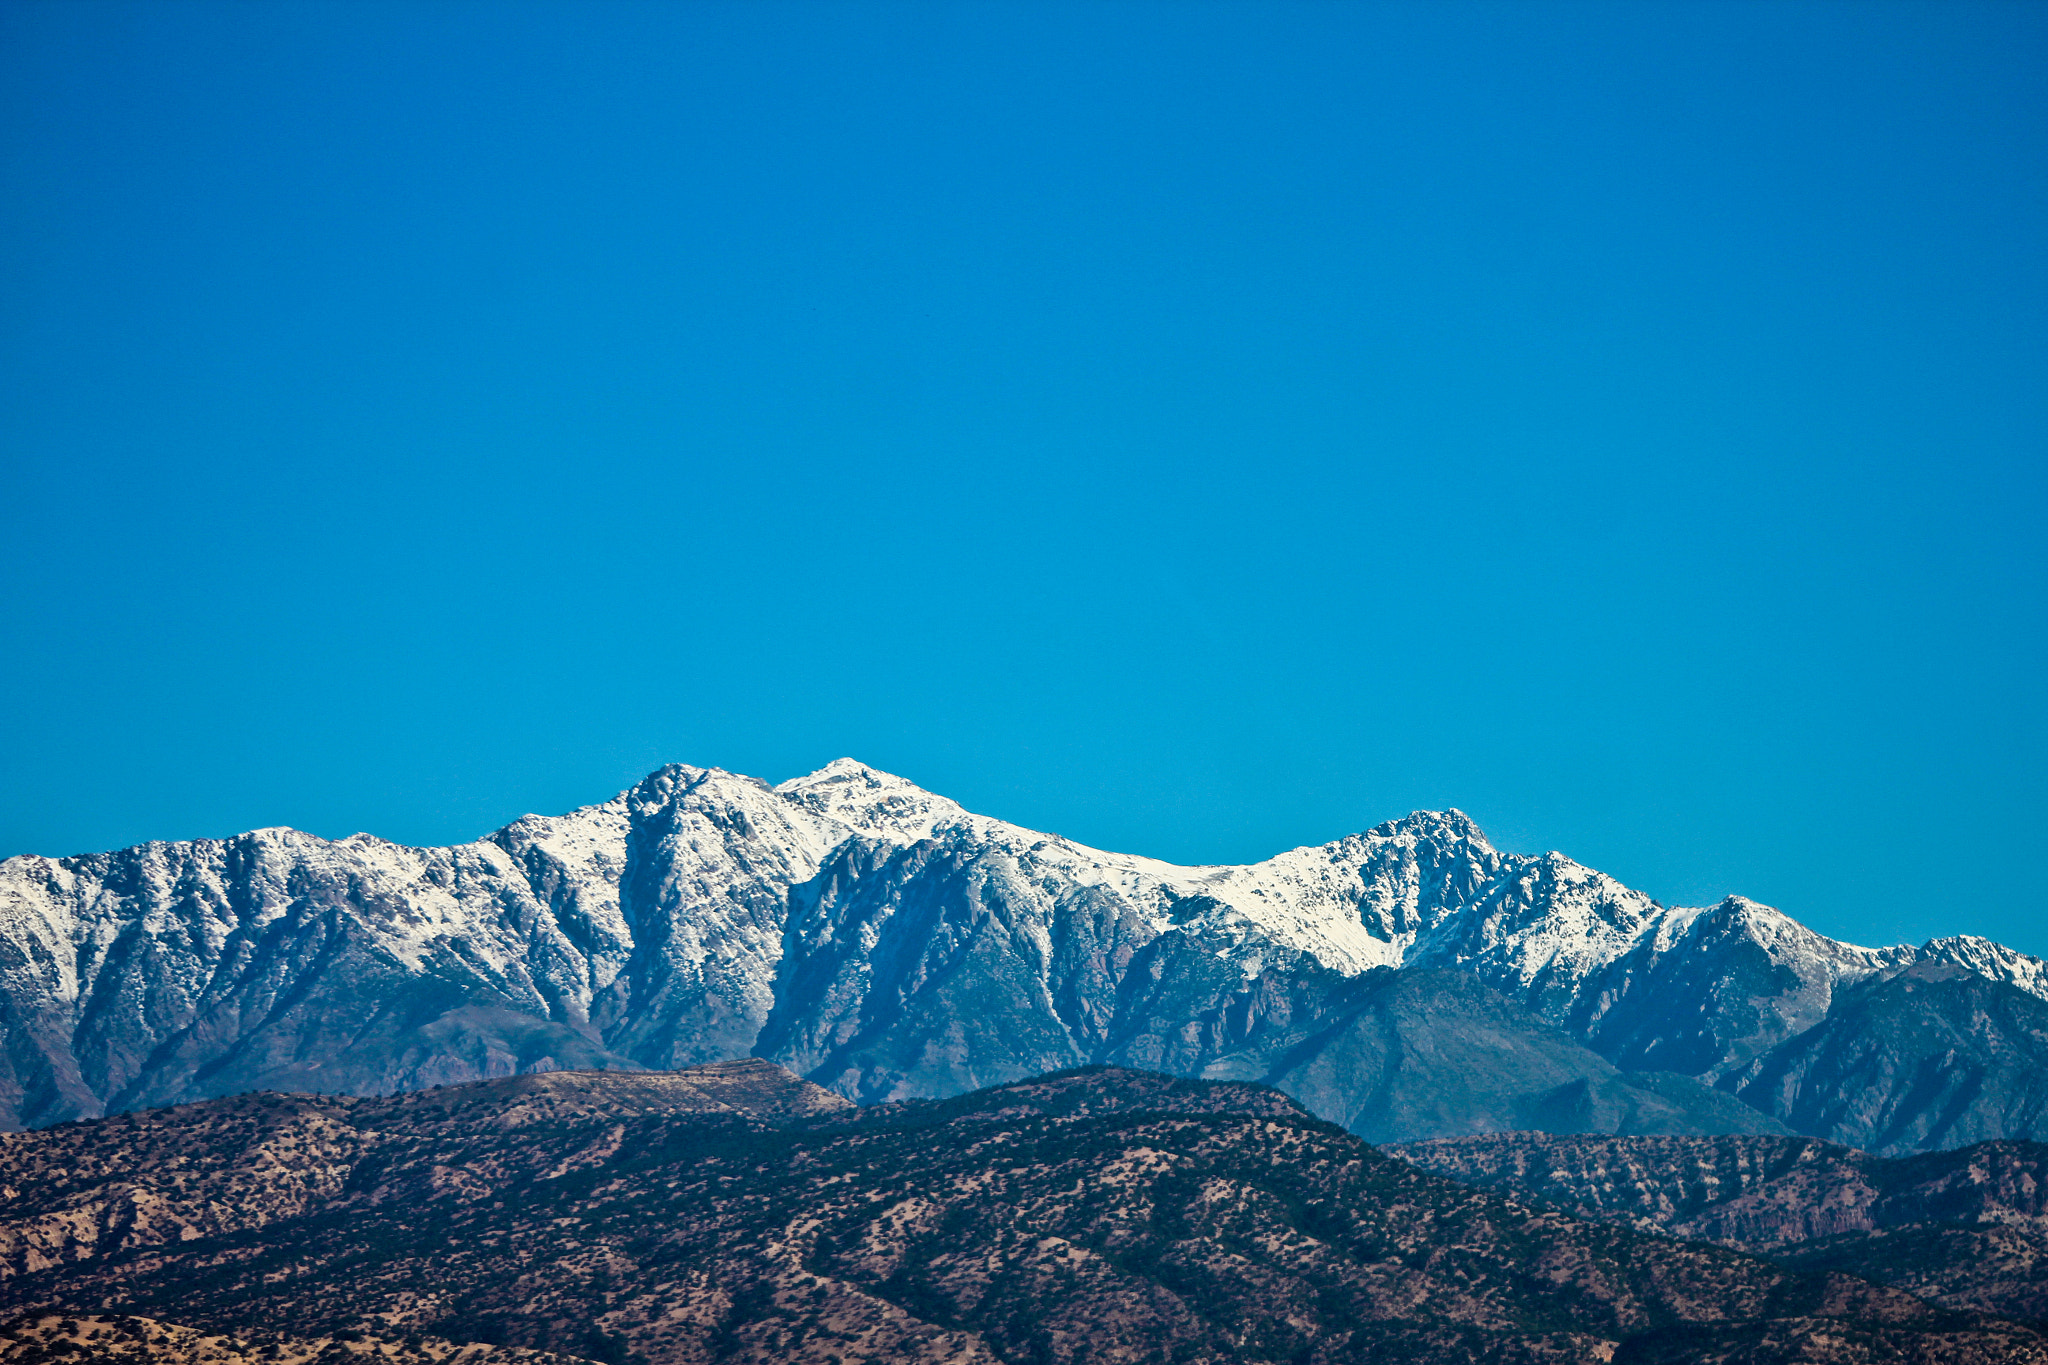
(887, 942)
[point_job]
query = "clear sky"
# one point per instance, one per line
(1195, 429)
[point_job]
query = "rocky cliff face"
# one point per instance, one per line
(888, 943)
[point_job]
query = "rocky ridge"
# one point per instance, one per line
(156, 1178)
(737, 1213)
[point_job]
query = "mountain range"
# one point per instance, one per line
(735, 1213)
(1407, 982)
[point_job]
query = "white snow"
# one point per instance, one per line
(538, 905)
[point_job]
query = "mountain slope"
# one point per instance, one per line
(1968, 1228)
(1423, 1051)
(88, 1339)
(178, 969)
(889, 943)
(1101, 1215)
(1934, 1057)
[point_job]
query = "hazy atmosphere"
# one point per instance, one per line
(1196, 429)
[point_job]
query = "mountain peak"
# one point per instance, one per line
(872, 802)
(1986, 958)
(1449, 823)
(837, 770)
(846, 771)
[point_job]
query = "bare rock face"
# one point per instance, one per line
(734, 1212)
(1968, 1228)
(888, 944)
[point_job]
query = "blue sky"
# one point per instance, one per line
(1196, 429)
